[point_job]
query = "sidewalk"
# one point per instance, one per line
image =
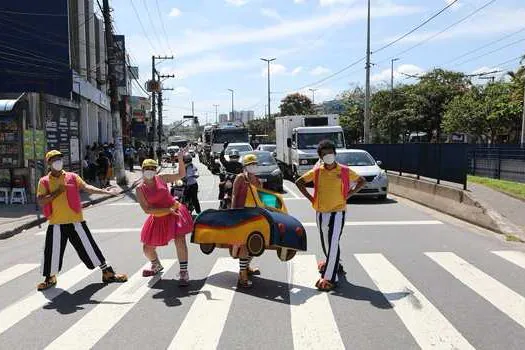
(16, 218)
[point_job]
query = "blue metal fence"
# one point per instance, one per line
(447, 162)
(505, 162)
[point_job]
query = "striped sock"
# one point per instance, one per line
(243, 264)
(183, 266)
(104, 266)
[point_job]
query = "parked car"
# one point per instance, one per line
(267, 226)
(364, 165)
(269, 148)
(268, 170)
(239, 146)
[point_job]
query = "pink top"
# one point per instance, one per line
(158, 195)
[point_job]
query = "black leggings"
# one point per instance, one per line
(192, 197)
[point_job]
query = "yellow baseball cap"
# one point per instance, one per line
(53, 153)
(249, 159)
(149, 163)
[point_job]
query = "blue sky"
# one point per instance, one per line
(217, 45)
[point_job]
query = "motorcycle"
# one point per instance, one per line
(179, 191)
(226, 189)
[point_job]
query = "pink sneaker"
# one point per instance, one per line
(184, 279)
(155, 269)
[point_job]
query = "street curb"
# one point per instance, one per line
(36, 222)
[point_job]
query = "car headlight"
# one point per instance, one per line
(276, 172)
(382, 175)
(303, 161)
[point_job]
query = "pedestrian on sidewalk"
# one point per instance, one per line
(161, 225)
(240, 194)
(103, 165)
(192, 186)
(58, 194)
(333, 185)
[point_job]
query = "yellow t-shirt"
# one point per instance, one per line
(62, 213)
(329, 195)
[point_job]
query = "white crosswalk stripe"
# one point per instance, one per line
(35, 300)
(427, 325)
(505, 299)
(203, 325)
(313, 323)
(515, 257)
(93, 326)
(15, 272)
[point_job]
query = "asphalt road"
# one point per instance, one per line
(415, 279)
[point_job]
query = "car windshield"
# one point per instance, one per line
(355, 159)
(222, 136)
(240, 148)
(263, 158)
(269, 200)
(268, 148)
(310, 141)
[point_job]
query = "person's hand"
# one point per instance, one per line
(61, 189)
(112, 191)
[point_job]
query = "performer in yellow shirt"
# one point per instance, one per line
(333, 185)
(58, 194)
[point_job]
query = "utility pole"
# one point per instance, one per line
(392, 94)
(154, 74)
(313, 95)
(115, 112)
(161, 102)
(268, 60)
(366, 133)
(216, 113)
(233, 114)
(523, 123)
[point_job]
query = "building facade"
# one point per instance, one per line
(242, 116)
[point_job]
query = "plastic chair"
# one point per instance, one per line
(18, 195)
(4, 195)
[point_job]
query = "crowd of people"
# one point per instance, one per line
(169, 220)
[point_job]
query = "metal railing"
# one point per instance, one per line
(505, 162)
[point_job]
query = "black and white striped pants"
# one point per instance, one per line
(330, 227)
(81, 239)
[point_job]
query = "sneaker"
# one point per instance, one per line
(244, 282)
(109, 276)
(184, 279)
(49, 282)
(324, 285)
(155, 269)
(253, 271)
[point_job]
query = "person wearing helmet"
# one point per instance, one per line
(233, 165)
(241, 191)
(192, 189)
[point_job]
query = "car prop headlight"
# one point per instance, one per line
(276, 172)
(381, 175)
(303, 161)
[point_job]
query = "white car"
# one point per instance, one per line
(239, 146)
(362, 163)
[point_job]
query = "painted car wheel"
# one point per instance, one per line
(207, 248)
(285, 254)
(255, 244)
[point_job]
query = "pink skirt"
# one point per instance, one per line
(159, 230)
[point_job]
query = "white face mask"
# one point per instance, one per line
(149, 174)
(329, 159)
(57, 165)
(251, 169)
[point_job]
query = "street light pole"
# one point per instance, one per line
(366, 133)
(233, 114)
(268, 60)
(392, 95)
(216, 113)
(313, 95)
(392, 74)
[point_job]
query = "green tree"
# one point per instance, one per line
(351, 120)
(296, 104)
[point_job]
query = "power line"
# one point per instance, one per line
(315, 83)
(33, 13)
(491, 52)
(163, 26)
(142, 26)
(443, 31)
(416, 28)
(152, 24)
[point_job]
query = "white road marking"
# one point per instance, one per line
(503, 298)
(203, 325)
(423, 320)
(514, 256)
(92, 327)
(313, 323)
(14, 313)
(287, 189)
(382, 223)
(15, 272)
(104, 230)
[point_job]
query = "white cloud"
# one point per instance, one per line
(334, 2)
(271, 13)
(321, 94)
(320, 70)
(175, 12)
(297, 70)
(182, 90)
(210, 64)
(497, 76)
(298, 1)
(237, 2)
(399, 72)
(275, 69)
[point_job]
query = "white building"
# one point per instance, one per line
(242, 116)
(223, 118)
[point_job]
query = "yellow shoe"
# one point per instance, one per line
(49, 282)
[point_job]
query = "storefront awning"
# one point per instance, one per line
(8, 105)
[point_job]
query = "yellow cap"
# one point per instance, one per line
(53, 153)
(249, 159)
(149, 163)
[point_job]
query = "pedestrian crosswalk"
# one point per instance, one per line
(312, 319)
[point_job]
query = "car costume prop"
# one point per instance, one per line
(263, 225)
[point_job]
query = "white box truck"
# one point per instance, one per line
(297, 137)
